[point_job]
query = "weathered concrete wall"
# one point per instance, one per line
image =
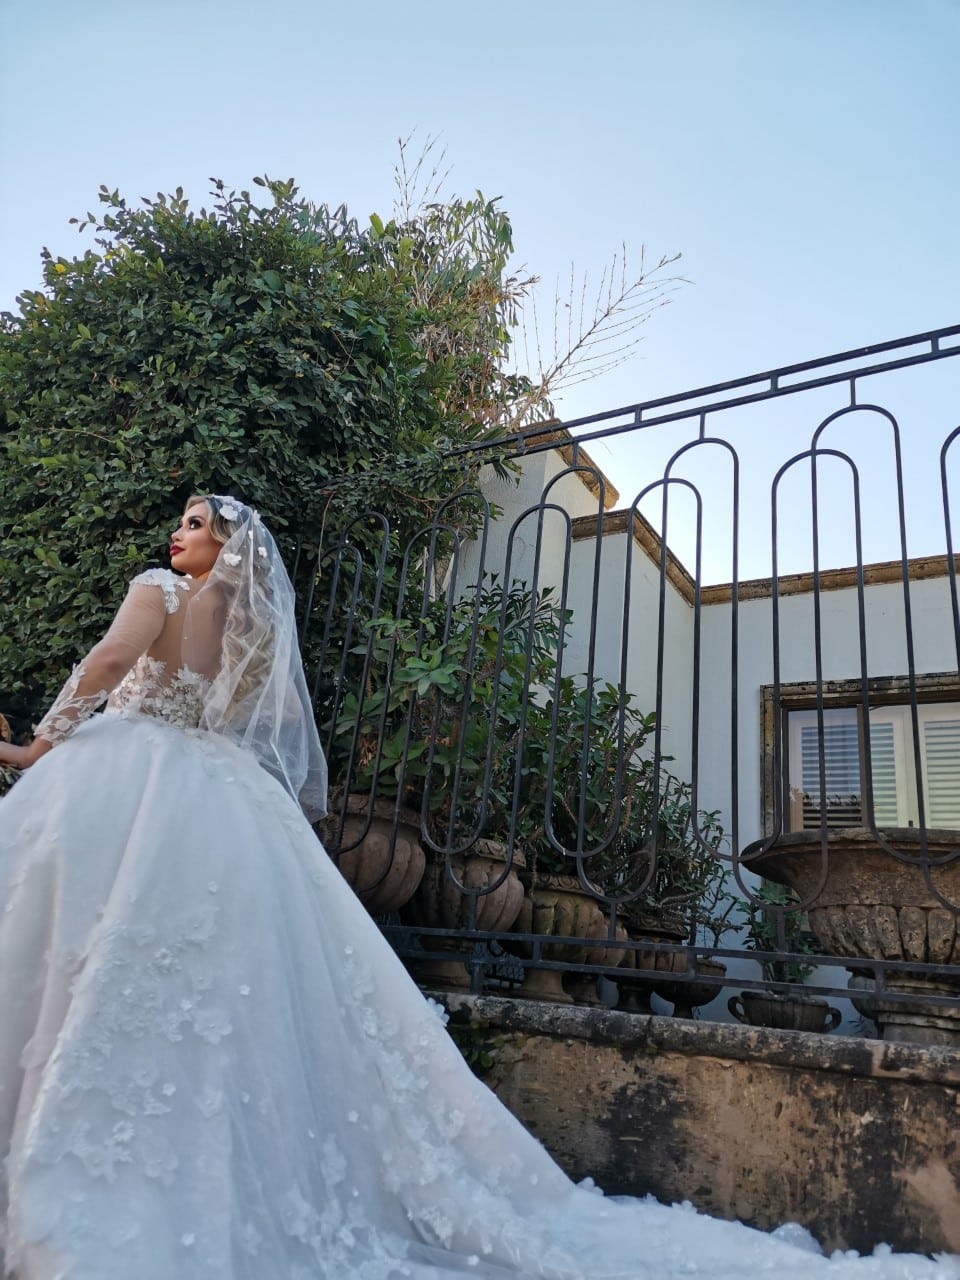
(859, 1140)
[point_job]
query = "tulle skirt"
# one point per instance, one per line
(213, 1067)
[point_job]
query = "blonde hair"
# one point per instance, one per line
(220, 530)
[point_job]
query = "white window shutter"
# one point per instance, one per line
(889, 809)
(940, 736)
(841, 758)
(892, 767)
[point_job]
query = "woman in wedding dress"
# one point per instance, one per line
(212, 1065)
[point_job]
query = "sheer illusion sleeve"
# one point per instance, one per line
(137, 624)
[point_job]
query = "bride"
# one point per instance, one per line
(212, 1066)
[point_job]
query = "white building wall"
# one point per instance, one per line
(640, 638)
(517, 532)
(547, 475)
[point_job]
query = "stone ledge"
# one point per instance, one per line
(858, 1140)
(652, 1034)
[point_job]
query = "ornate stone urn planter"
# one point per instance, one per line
(440, 903)
(559, 905)
(690, 995)
(383, 869)
(871, 904)
(786, 1013)
(645, 971)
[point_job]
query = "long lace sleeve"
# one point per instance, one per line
(137, 624)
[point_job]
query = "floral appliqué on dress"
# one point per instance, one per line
(168, 582)
(148, 690)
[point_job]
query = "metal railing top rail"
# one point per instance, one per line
(688, 404)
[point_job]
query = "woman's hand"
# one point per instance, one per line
(23, 757)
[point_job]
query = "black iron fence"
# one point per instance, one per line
(703, 744)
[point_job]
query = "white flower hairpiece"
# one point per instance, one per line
(230, 507)
(231, 559)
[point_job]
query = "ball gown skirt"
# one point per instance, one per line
(213, 1067)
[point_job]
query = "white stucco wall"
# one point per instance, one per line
(934, 650)
(640, 640)
(516, 531)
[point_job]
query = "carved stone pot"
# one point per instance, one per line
(872, 904)
(786, 1013)
(643, 970)
(440, 903)
(690, 995)
(560, 906)
(918, 1019)
(379, 854)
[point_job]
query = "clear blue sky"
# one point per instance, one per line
(800, 154)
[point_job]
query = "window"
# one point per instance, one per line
(895, 800)
(896, 788)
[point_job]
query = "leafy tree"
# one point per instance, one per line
(266, 346)
(266, 349)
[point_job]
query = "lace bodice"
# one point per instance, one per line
(185, 650)
(149, 690)
(139, 659)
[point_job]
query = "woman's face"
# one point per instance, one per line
(193, 548)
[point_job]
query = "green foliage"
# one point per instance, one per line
(478, 1046)
(714, 911)
(440, 710)
(772, 923)
(463, 711)
(267, 347)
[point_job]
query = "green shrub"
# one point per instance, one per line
(277, 351)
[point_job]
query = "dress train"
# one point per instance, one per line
(213, 1067)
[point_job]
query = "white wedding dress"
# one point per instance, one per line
(213, 1067)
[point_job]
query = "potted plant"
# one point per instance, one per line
(883, 894)
(502, 640)
(580, 782)
(710, 915)
(774, 928)
(462, 721)
(665, 883)
(372, 830)
(419, 742)
(612, 849)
